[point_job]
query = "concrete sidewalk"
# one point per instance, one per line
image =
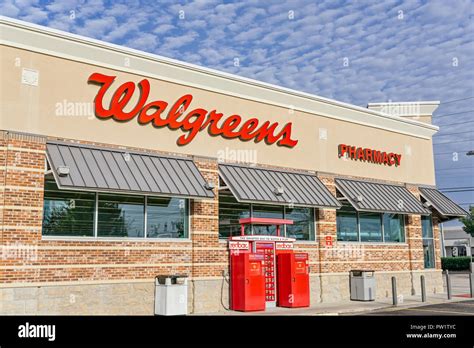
(350, 307)
(459, 285)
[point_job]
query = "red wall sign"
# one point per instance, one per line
(369, 155)
(178, 116)
(328, 241)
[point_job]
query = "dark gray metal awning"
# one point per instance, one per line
(441, 203)
(251, 184)
(80, 167)
(378, 197)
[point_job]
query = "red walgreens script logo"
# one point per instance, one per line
(193, 122)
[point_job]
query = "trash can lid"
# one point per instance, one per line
(172, 276)
(362, 270)
(361, 273)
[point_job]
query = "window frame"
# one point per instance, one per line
(432, 239)
(354, 212)
(403, 220)
(382, 228)
(312, 234)
(69, 197)
(96, 232)
(187, 218)
(145, 237)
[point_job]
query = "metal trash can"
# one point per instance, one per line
(362, 284)
(171, 295)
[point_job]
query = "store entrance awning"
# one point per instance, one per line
(441, 203)
(378, 197)
(90, 168)
(268, 186)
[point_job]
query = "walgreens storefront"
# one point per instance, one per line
(118, 166)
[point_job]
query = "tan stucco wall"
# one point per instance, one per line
(33, 109)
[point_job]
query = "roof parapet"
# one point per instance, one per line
(419, 111)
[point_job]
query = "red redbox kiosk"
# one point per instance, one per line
(285, 281)
(293, 280)
(269, 248)
(247, 282)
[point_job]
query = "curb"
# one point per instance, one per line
(407, 306)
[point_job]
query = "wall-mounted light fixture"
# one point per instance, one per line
(63, 170)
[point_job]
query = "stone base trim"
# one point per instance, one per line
(111, 265)
(205, 232)
(21, 149)
(335, 287)
(122, 248)
(22, 228)
(205, 294)
(22, 169)
(361, 261)
(195, 216)
(384, 272)
(134, 298)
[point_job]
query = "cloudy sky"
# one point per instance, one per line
(354, 51)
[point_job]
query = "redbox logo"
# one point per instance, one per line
(284, 246)
(193, 122)
(239, 245)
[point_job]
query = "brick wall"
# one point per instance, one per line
(340, 257)
(21, 202)
(209, 258)
(29, 259)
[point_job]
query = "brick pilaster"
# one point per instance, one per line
(22, 168)
(414, 236)
(437, 243)
(208, 257)
(326, 230)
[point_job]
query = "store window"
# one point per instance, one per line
(67, 213)
(347, 225)
(269, 212)
(353, 226)
(167, 218)
(428, 241)
(426, 226)
(303, 223)
(121, 216)
(89, 214)
(394, 228)
(370, 227)
(230, 211)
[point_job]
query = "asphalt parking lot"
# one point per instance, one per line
(460, 288)
(453, 308)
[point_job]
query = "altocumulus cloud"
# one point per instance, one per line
(353, 51)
